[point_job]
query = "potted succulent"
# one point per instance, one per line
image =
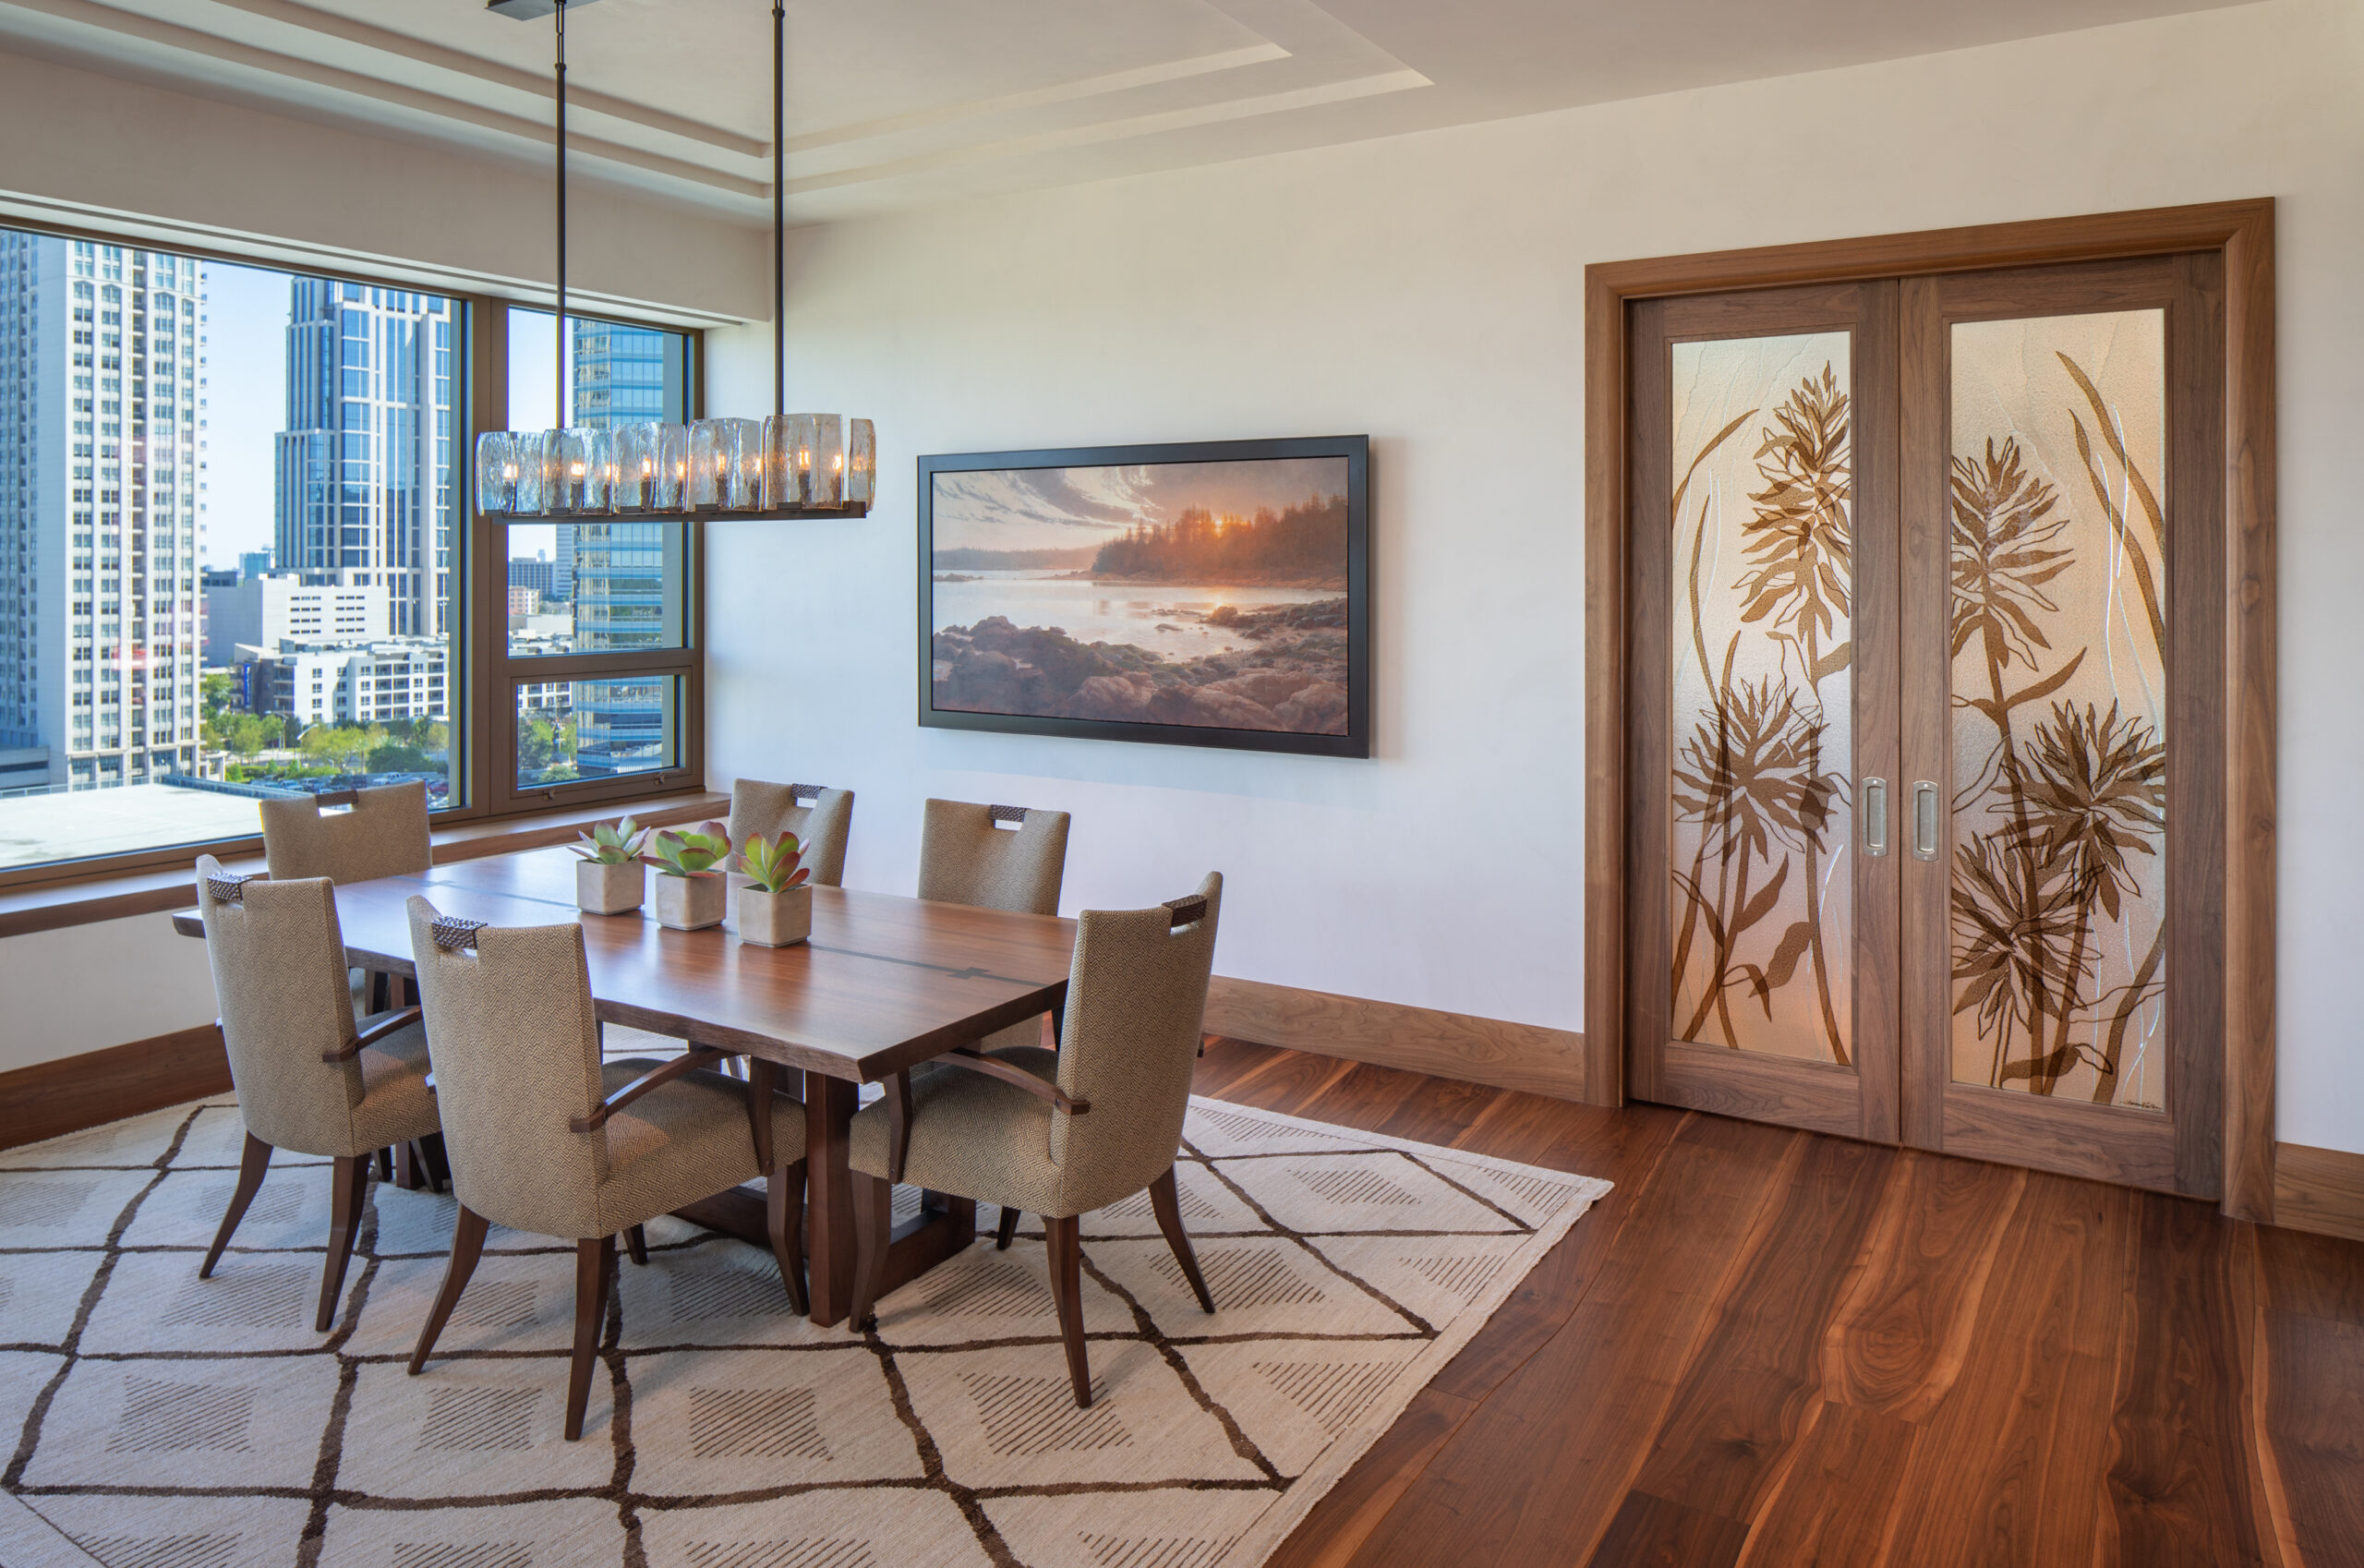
(691, 894)
(609, 878)
(776, 903)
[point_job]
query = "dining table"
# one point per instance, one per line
(883, 984)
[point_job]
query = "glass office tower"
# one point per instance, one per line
(618, 571)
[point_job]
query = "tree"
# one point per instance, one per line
(247, 733)
(217, 689)
(345, 748)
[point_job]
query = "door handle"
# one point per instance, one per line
(1924, 819)
(1875, 816)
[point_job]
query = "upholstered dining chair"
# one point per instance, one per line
(310, 1080)
(543, 1138)
(995, 858)
(821, 819)
(385, 834)
(1058, 1132)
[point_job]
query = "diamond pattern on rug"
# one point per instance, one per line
(767, 1423)
(189, 1421)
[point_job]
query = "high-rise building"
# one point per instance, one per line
(102, 465)
(623, 375)
(365, 487)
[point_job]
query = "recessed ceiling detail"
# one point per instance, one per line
(895, 103)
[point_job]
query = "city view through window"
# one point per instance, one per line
(230, 520)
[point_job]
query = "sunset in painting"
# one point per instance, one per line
(1211, 595)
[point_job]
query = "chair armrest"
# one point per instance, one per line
(688, 1061)
(375, 1032)
(992, 1067)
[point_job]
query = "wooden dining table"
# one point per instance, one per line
(884, 984)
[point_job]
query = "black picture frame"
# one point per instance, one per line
(1355, 450)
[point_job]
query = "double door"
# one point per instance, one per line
(1925, 633)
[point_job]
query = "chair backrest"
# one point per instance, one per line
(821, 827)
(1136, 996)
(385, 834)
(516, 1047)
(279, 978)
(966, 859)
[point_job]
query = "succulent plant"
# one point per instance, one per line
(612, 843)
(690, 854)
(771, 863)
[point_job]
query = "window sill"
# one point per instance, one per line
(82, 901)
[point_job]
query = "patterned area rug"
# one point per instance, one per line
(158, 1419)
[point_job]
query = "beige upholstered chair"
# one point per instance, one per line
(822, 826)
(310, 1080)
(967, 856)
(545, 1139)
(1059, 1132)
(385, 834)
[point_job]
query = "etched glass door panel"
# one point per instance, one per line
(2059, 612)
(1761, 913)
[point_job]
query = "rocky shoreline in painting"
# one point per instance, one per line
(1286, 671)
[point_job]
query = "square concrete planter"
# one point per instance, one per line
(775, 920)
(691, 904)
(609, 889)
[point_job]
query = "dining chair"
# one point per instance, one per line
(385, 834)
(821, 819)
(309, 1078)
(546, 1138)
(1061, 1132)
(995, 858)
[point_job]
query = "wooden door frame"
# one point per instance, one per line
(2242, 233)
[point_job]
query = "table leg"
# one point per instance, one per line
(830, 1105)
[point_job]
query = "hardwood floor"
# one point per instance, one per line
(1773, 1348)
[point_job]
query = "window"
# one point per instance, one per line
(600, 659)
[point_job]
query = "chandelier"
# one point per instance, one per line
(783, 465)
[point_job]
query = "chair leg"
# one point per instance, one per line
(381, 990)
(385, 1158)
(1067, 1289)
(874, 1228)
(468, 1246)
(407, 1175)
(784, 1221)
(636, 1243)
(348, 1191)
(252, 1166)
(1006, 1231)
(1168, 1204)
(595, 1258)
(437, 1161)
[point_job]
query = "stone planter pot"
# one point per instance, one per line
(691, 904)
(775, 920)
(609, 889)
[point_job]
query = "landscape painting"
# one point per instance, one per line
(1204, 594)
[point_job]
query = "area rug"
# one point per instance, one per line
(156, 1419)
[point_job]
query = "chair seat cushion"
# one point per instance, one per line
(683, 1141)
(395, 1103)
(972, 1136)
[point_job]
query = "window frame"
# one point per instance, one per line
(480, 687)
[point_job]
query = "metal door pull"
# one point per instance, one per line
(1924, 819)
(1875, 816)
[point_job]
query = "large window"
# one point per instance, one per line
(600, 652)
(236, 559)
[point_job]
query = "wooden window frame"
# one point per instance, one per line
(484, 727)
(2242, 233)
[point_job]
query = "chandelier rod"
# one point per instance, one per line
(779, 208)
(560, 72)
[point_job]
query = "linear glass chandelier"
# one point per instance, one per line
(783, 465)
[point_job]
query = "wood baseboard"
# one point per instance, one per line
(51, 1099)
(1475, 1050)
(2318, 1189)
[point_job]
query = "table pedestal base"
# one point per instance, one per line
(918, 1246)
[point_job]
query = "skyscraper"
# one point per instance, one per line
(364, 462)
(623, 375)
(101, 477)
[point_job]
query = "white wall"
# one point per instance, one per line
(1427, 290)
(88, 987)
(80, 149)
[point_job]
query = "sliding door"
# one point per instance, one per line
(1924, 685)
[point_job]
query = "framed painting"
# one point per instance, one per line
(1202, 594)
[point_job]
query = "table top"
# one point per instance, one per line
(885, 981)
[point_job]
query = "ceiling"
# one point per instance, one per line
(896, 103)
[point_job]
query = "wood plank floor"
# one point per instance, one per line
(1775, 1348)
